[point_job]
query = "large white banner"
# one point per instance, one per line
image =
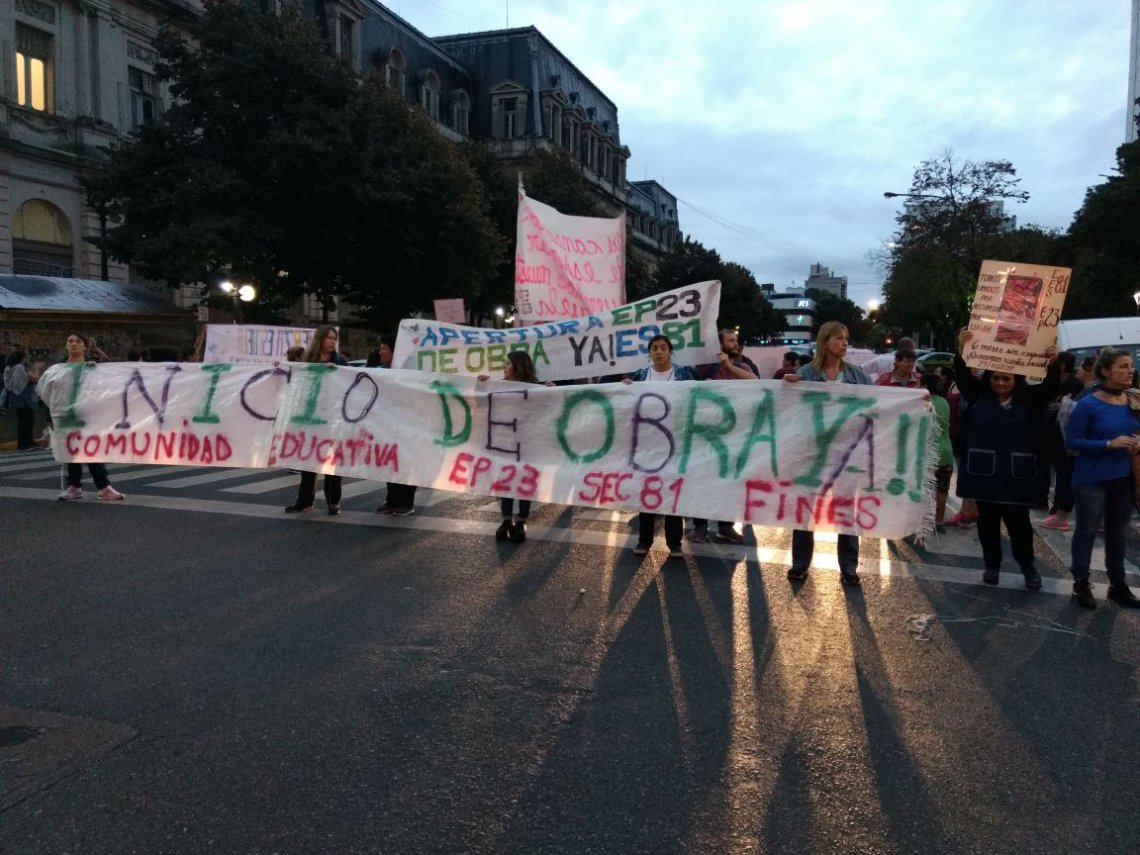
(612, 342)
(252, 343)
(566, 267)
(805, 455)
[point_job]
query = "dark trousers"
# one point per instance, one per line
(1110, 502)
(1016, 518)
(25, 422)
(98, 475)
(803, 548)
(508, 508)
(1063, 498)
(674, 530)
(307, 492)
(722, 525)
(401, 495)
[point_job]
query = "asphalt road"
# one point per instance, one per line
(192, 671)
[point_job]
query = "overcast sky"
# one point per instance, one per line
(784, 122)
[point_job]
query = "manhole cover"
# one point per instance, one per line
(17, 734)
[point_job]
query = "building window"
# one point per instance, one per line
(35, 69)
(345, 45)
(429, 95)
(395, 73)
(509, 108)
(461, 113)
(144, 96)
(41, 240)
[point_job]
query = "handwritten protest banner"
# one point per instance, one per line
(611, 342)
(566, 267)
(1014, 317)
(804, 455)
(248, 343)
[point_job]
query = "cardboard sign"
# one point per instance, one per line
(1014, 318)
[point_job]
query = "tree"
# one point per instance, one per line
(934, 259)
(742, 304)
(831, 307)
(1104, 245)
(276, 165)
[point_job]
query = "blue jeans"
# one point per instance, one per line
(1112, 502)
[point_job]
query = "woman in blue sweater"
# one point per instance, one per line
(1102, 430)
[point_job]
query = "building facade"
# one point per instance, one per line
(822, 279)
(79, 75)
(797, 311)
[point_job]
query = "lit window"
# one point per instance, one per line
(144, 97)
(35, 69)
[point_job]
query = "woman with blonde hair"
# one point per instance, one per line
(828, 366)
(321, 350)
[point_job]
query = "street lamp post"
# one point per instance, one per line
(239, 294)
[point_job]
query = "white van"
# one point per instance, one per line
(1087, 337)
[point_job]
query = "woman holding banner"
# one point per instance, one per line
(660, 369)
(520, 369)
(828, 366)
(999, 458)
(322, 350)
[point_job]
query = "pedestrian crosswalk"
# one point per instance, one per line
(39, 467)
(954, 554)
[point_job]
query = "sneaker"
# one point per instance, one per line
(958, 521)
(1122, 596)
(640, 550)
(1082, 595)
(729, 535)
(991, 576)
(298, 509)
(518, 532)
(110, 494)
(1032, 579)
(850, 579)
(1056, 522)
(797, 574)
(676, 553)
(699, 535)
(403, 512)
(385, 509)
(71, 494)
(334, 510)
(503, 532)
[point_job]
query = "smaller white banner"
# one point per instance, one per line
(246, 343)
(611, 342)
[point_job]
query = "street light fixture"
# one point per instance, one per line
(1136, 300)
(889, 195)
(239, 293)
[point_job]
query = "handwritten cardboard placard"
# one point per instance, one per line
(611, 342)
(1014, 317)
(252, 343)
(566, 267)
(805, 455)
(450, 311)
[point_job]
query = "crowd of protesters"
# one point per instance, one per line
(1069, 444)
